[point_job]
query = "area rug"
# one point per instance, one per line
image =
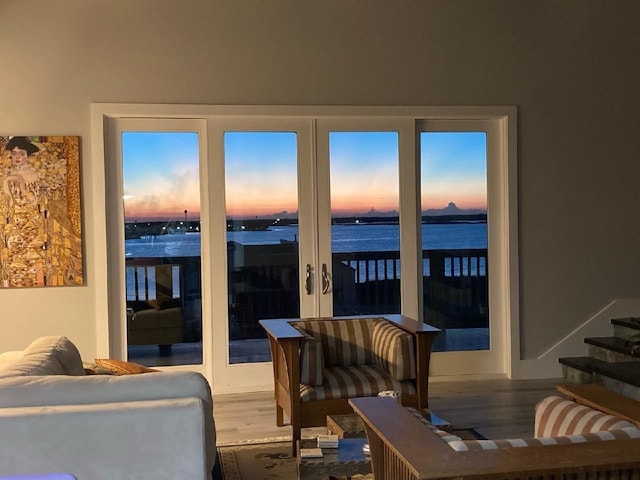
(272, 461)
(256, 462)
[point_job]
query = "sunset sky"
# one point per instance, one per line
(160, 171)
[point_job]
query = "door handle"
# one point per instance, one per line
(308, 280)
(326, 282)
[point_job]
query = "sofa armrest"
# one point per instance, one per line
(160, 439)
(25, 391)
(404, 448)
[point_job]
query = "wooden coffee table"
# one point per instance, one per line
(350, 425)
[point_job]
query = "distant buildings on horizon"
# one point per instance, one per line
(285, 217)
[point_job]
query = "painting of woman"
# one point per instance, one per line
(40, 225)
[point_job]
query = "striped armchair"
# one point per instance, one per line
(320, 363)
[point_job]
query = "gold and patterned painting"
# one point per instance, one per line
(40, 216)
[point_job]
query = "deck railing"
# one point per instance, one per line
(454, 287)
(375, 266)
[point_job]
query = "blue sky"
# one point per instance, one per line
(453, 167)
(161, 172)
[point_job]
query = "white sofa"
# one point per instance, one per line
(54, 418)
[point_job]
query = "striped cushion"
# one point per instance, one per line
(311, 361)
(354, 381)
(477, 445)
(557, 416)
(344, 342)
(394, 350)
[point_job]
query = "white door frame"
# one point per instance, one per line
(503, 176)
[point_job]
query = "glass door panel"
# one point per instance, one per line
(454, 238)
(161, 201)
(262, 237)
(365, 231)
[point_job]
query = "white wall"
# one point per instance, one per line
(571, 67)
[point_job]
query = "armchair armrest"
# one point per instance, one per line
(394, 350)
(412, 325)
(281, 329)
(424, 335)
(284, 342)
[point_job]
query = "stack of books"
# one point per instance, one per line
(310, 453)
(365, 449)
(328, 441)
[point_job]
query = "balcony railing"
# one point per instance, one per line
(455, 287)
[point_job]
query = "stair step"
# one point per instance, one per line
(611, 363)
(584, 364)
(624, 372)
(578, 369)
(626, 327)
(611, 349)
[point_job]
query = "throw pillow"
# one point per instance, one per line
(394, 350)
(120, 367)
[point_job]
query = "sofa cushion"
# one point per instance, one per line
(50, 355)
(557, 416)
(394, 350)
(344, 342)
(354, 381)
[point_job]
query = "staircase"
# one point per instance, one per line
(611, 362)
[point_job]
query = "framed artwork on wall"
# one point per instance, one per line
(40, 214)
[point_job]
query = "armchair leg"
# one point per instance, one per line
(279, 416)
(295, 437)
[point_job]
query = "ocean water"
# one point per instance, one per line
(345, 238)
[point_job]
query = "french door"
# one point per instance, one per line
(157, 252)
(303, 216)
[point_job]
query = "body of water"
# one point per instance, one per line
(345, 238)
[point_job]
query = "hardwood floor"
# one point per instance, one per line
(495, 408)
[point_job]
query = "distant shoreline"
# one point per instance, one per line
(137, 229)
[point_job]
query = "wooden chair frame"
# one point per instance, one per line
(285, 342)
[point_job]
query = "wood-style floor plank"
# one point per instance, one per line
(495, 408)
